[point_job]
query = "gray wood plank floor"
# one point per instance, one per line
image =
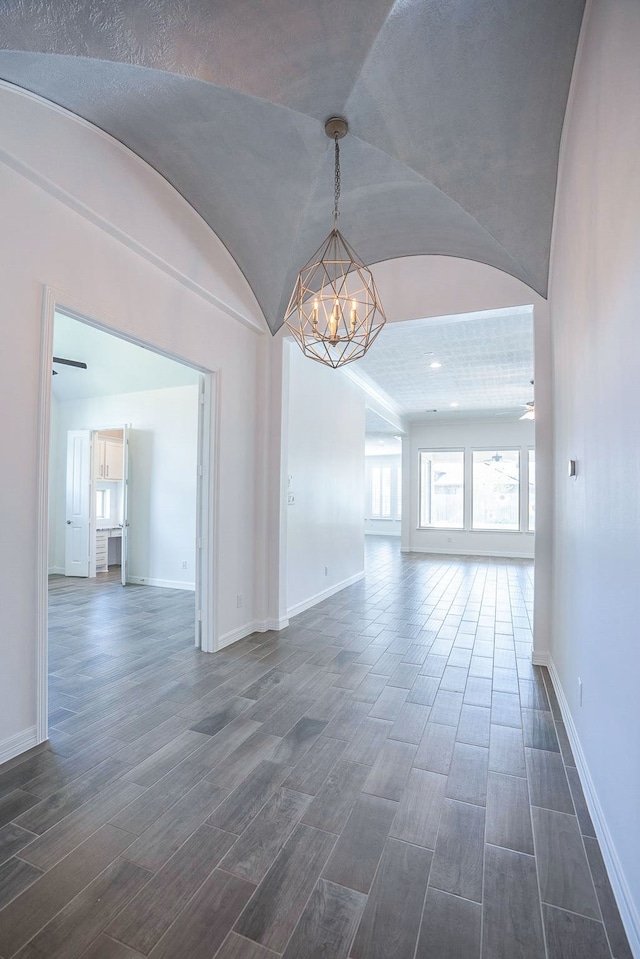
(388, 776)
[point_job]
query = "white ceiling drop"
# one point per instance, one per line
(382, 444)
(375, 424)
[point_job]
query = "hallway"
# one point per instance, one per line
(388, 777)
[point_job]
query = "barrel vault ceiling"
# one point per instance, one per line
(455, 109)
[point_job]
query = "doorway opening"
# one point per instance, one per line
(127, 476)
(382, 478)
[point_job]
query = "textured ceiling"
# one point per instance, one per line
(113, 365)
(486, 363)
(455, 110)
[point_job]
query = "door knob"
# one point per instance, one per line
(68, 522)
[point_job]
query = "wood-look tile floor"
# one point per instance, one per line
(388, 778)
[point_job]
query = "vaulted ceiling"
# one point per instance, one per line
(455, 109)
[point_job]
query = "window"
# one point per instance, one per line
(399, 493)
(381, 492)
(496, 489)
(442, 489)
(532, 492)
(103, 504)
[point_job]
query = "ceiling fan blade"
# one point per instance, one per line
(77, 363)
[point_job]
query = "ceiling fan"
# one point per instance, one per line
(527, 415)
(529, 411)
(77, 363)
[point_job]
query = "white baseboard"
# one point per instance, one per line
(622, 892)
(56, 571)
(497, 553)
(17, 744)
(164, 583)
(541, 659)
(324, 594)
(275, 624)
(255, 626)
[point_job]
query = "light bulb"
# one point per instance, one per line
(333, 322)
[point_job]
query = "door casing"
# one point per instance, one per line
(206, 625)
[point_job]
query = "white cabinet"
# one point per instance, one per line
(113, 459)
(102, 545)
(98, 457)
(107, 458)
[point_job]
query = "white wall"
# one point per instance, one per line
(595, 302)
(162, 477)
(89, 219)
(467, 434)
(392, 525)
(325, 438)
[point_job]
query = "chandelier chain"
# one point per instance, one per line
(336, 191)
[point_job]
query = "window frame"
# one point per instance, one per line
(105, 496)
(530, 449)
(493, 449)
(382, 517)
(443, 449)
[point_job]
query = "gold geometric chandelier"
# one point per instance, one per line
(335, 312)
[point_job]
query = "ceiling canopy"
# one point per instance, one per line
(455, 112)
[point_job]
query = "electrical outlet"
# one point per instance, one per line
(326, 571)
(185, 564)
(239, 600)
(580, 690)
(291, 499)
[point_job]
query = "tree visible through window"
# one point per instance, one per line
(496, 489)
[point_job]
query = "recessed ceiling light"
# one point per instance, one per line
(455, 405)
(435, 365)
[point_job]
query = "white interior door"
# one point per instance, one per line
(78, 512)
(201, 510)
(124, 559)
